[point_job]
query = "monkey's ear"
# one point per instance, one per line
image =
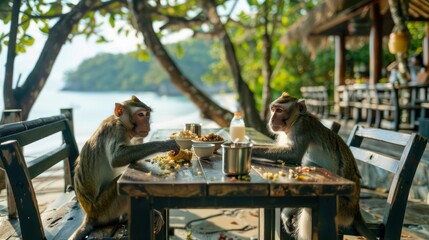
(119, 109)
(301, 106)
(135, 99)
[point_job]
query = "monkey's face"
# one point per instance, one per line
(280, 114)
(141, 122)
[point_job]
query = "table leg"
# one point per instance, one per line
(164, 233)
(140, 219)
(267, 228)
(324, 218)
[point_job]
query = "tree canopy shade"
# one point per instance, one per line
(60, 21)
(251, 58)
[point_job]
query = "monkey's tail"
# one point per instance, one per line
(84, 229)
(361, 227)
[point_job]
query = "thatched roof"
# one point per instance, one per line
(348, 18)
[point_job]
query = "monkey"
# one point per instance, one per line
(105, 156)
(303, 140)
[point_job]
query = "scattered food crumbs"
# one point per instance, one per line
(354, 238)
(299, 173)
(173, 162)
(199, 173)
(149, 173)
(243, 177)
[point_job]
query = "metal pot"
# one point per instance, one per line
(194, 127)
(236, 158)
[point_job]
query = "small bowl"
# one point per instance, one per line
(203, 150)
(184, 143)
(216, 143)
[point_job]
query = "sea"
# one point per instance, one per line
(91, 108)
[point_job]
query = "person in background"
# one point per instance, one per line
(416, 67)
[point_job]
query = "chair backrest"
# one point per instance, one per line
(333, 125)
(20, 172)
(397, 153)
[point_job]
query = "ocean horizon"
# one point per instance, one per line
(91, 108)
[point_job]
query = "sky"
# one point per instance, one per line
(73, 53)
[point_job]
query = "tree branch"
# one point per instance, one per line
(141, 14)
(205, 35)
(178, 23)
(247, 101)
(58, 34)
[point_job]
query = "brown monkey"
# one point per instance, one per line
(103, 159)
(303, 140)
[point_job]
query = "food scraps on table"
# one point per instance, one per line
(183, 134)
(211, 137)
(298, 173)
(173, 161)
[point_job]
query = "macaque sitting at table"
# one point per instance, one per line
(303, 140)
(104, 157)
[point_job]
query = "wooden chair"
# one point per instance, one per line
(397, 153)
(317, 100)
(359, 99)
(343, 93)
(333, 125)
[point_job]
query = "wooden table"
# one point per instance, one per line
(203, 185)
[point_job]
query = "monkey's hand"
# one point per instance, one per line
(183, 154)
(171, 145)
(158, 221)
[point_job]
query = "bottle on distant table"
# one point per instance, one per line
(237, 128)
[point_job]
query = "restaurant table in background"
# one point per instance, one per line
(203, 185)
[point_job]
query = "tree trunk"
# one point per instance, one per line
(209, 109)
(24, 97)
(11, 54)
(267, 69)
(399, 11)
(246, 99)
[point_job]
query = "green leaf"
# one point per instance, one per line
(180, 51)
(45, 29)
(25, 25)
(101, 39)
(7, 19)
(19, 48)
(26, 22)
(143, 55)
(112, 20)
(27, 40)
